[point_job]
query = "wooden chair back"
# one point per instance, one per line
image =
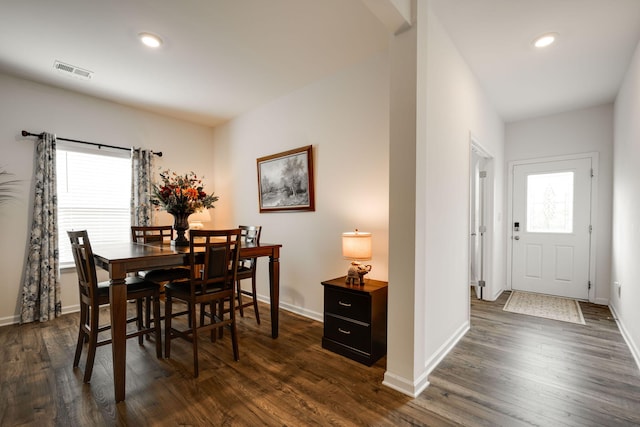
(249, 234)
(151, 234)
(85, 266)
(213, 257)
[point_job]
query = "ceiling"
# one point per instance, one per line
(585, 67)
(221, 58)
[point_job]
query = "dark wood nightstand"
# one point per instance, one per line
(355, 319)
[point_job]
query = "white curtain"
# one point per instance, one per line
(41, 289)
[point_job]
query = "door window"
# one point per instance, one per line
(550, 203)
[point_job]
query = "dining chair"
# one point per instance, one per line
(157, 234)
(249, 234)
(213, 259)
(94, 294)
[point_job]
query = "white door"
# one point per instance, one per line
(551, 227)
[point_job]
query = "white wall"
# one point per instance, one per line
(345, 118)
(574, 132)
(35, 108)
(626, 206)
(456, 107)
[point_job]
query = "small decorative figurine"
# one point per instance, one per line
(357, 272)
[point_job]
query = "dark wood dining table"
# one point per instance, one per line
(126, 257)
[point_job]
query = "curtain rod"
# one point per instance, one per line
(25, 133)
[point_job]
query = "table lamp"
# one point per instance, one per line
(196, 219)
(356, 246)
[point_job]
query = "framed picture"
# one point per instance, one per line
(285, 181)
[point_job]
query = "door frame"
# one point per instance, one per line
(594, 156)
(489, 197)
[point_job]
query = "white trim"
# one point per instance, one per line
(404, 386)
(635, 352)
(595, 165)
(414, 388)
(446, 347)
(489, 212)
(314, 315)
(9, 320)
(15, 319)
(496, 296)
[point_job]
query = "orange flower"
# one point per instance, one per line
(191, 193)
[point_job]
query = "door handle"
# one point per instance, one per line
(516, 237)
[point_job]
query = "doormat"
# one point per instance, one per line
(547, 306)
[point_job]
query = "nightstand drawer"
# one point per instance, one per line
(352, 334)
(348, 304)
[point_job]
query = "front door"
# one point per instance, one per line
(551, 228)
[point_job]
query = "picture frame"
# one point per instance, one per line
(285, 181)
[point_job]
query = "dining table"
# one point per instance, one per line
(121, 258)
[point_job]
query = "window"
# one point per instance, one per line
(550, 203)
(94, 193)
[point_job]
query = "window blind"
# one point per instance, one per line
(94, 193)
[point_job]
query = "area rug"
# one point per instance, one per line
(547, 306)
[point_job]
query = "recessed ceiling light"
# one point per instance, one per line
(150, 40)
(545, 40)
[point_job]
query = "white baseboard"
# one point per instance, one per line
(414, 388)
(9, 320)
(295, 309)
(405, 386)
(445, 348)
(496, 296)
(15, 319)
(601, 301)
(625, 334)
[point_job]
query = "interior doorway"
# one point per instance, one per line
(480, 213)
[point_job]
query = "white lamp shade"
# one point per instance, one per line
(197, 218)
(201, 216)
(356, 245)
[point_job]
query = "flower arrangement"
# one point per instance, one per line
(181, 194)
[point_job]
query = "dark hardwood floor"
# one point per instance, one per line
(509, 370)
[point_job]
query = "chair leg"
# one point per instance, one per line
(93, 342)
(167, 323)
(234, 333)
(194, 341)
(139, 319)
(156, 323)
(147, 314)
(202, 311)
(239, 292)
(212, 310)
(255, 300)
(221, 314)
(81, 335)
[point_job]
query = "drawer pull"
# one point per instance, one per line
(344, 332)
(344, 304)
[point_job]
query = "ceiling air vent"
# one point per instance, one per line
(71, 70)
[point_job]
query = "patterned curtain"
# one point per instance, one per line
(41, 289)
(141, 172)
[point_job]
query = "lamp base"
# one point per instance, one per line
(356, 272)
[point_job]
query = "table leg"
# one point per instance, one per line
(274, 290)
(118, 310)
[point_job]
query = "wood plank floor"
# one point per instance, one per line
(509, 370)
